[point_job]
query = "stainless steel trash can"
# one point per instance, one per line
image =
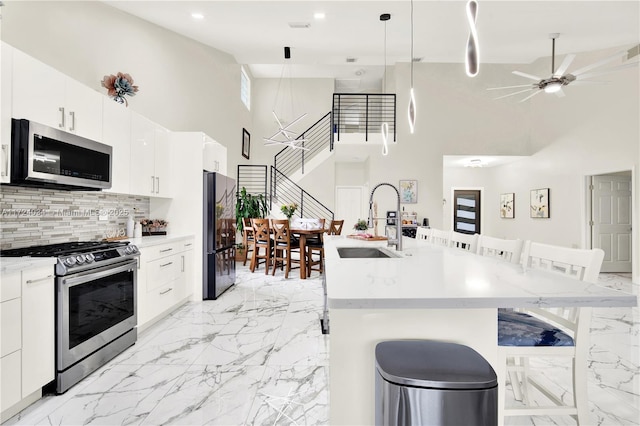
(425, 382)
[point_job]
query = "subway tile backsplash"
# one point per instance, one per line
(33, 216)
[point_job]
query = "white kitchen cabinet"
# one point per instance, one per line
(38, 329)
(215, 156)
(6, 61)
(116, 132)
(47, 96)
(27, 358)
(150, 158)
(163, 279)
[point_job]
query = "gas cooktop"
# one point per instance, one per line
(79, 255)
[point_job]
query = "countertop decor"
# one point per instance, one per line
(154, 227)
(118, 86)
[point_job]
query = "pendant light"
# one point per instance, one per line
(284, 135)
(384, 127)
(411, 111)
(472, 58)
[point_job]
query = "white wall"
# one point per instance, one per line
(184, 85)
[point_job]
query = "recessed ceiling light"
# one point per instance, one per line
(197, 15)
(319, 15)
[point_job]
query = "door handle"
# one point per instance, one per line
(5, 160)
(158, 185)
(166, 291)
(62, 117)
(166, 264)
(48, 277)
(72, 115)
(153, 185)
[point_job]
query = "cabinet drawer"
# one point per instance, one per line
(156, 252)
(10, 288)
(163, 271)
(11, 328)
(161, 299)
(11, 386)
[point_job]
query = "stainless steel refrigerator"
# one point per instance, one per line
(219, 265)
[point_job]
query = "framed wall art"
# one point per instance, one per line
(507, 205)
(408, 191)
(246, 143)
(540, 203)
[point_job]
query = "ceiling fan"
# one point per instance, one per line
(560, 77)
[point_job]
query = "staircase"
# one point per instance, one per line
(355, 114)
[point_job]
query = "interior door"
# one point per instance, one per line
(350, 206)
(611, 220)
(466, 211)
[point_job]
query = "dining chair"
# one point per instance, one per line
(550, 332)
(317, 246)
(508, 250)
(262, 240)
(439, 237)
(423, 233)
(281, 245)
(247, 237)
(463, 241)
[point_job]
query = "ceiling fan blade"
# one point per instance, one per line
(560, 93)
(525, 75)
(607, 71)
(514, 93)
(588, 83)
(564, 65)
(599, 63)
(531, 95)
(510, 87)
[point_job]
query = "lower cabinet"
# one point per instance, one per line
(27, 361)
(164, 280)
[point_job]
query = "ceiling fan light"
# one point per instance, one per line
(553, 87)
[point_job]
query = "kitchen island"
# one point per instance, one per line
(427, 292)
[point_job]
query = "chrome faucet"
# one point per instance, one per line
(398, 240)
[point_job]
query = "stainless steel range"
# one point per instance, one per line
(96, 313)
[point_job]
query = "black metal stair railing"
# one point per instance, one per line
(317, 137)
(254, 178)
(363, 113)
(289, 192)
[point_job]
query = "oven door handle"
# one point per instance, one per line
(82, 277)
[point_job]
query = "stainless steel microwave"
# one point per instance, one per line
(42, 156)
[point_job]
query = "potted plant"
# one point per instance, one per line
(360, 226)
(241, 252)
(249, 206)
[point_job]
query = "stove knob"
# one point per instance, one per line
(134, 249)
(70, 261)
(89, 258)
(129, 250)
(80, 259)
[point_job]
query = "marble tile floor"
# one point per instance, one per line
(257, 356)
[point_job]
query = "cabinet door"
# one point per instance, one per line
(142, 175)
(6, 64)
(163, 183)
(188, 275)
(10, 386)
(38, 91)
(37, 329)
(11, 326)
(222, 159)
(83, 107)
(116, 131)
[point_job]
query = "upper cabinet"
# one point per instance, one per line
(116, 131)
(46, 96)
(150, 158)
(215, 156)
(6, 59)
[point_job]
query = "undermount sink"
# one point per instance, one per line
(364, 252)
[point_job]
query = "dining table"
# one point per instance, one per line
(302, 234)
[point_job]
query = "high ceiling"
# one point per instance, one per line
(514, 31)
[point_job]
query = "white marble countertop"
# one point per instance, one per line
(15, 264)
(431, 277)
(155, 240)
